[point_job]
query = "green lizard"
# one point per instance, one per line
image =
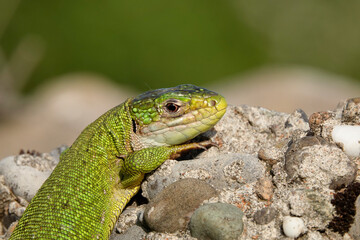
(104, 167)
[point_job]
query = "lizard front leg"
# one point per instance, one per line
(138, 163)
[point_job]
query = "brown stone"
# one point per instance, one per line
(172, 208)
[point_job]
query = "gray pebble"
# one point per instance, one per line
(172, 208)
(265, 215)
(220, 221)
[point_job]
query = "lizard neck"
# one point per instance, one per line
(96, 157)
(108, 135)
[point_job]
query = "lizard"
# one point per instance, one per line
(103, 169)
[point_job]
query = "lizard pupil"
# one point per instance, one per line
(172, 107)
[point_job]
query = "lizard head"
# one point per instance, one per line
(170, 116)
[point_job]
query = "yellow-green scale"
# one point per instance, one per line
(83, 186)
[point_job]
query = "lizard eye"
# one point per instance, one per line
(171, 107)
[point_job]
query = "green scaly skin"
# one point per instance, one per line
(103, 169)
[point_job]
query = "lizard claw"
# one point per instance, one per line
(206, 144)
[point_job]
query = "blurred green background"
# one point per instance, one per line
(151, 44)
(122, 47)
(145, 44)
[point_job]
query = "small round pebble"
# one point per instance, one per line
(220, 221)
(293, 226)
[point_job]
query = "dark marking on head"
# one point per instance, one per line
(183, 89)
(133, 125)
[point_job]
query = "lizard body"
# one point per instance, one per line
(104, 167)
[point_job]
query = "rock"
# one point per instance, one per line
(293, 226)
(5, 197)
(219, 221)
(168, 236)
(41, 161)
(292, 161)
(16, 208)
(128, 218)
(318, 119)
(348, 137)
(172, 208)
(264, 188)
(271, 155)
(351, 111)
(245, 170)
(355, 228)
(322, 123)
(134, 232)
(318, 164)
(265, 215)
(245, 129)
(221, 171)
(305, 142)
(23, 180)
(313, 207)
(298, 120)
(313, 235)
(10, 229)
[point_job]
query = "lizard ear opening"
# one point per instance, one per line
(133, 125)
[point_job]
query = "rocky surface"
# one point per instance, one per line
(284, 172)
(205, 222)
(172, 208)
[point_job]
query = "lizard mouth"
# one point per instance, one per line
(172, 131)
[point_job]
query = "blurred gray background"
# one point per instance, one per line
(64, 63)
